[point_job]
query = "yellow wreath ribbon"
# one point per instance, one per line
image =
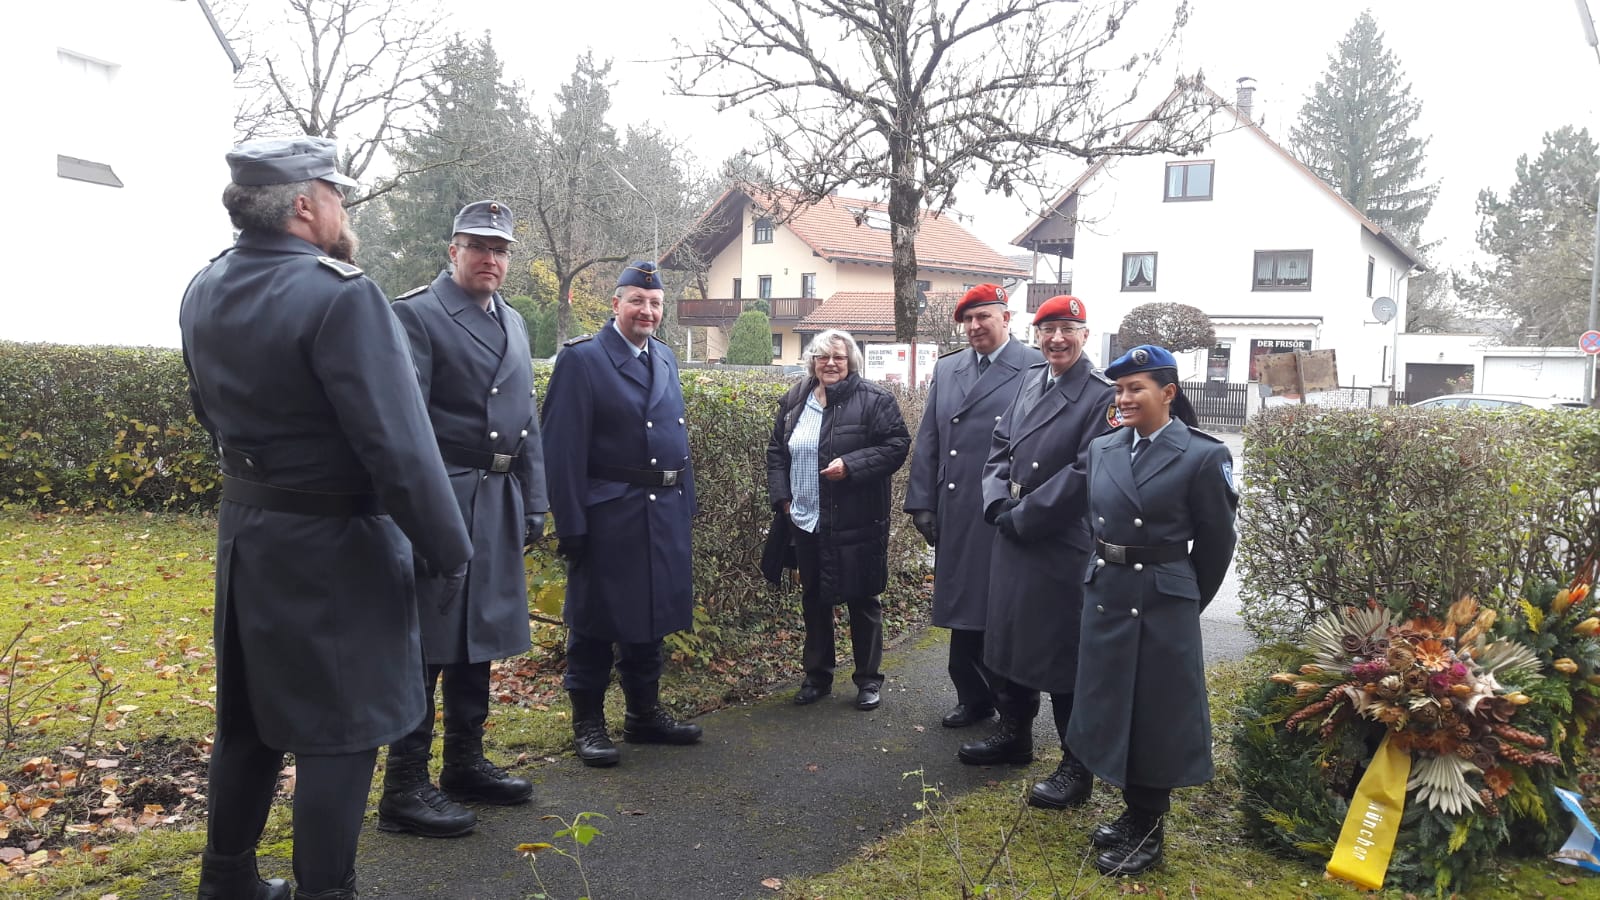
(1367, 839)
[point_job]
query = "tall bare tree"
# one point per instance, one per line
(917, 95)
(355, 70)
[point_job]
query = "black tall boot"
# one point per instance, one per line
(648, 722)
(412, 804)
(348, 892)
(1140, 848)
(467, 775)
(235, 878)
(589, 729)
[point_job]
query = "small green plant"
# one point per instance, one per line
(580, 832)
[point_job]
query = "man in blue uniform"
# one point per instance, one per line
(969, 392)
(622, 492)
(332, 487)
(473, 363)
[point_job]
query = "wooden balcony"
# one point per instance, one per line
(721, 313)
(1039, 293)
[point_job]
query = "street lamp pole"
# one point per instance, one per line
(655, 247)
(1593, 41)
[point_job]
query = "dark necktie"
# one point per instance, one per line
(1049, 383)
(1139, 447)
(983, 364)
(644, 358)
(493, 317)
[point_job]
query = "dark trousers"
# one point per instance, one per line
(1155, 801)
(1021, 702)
(866, 622)
(589, 662)
(967, 671)
(466, 706)
(330, 800)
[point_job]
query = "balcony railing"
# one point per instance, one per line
(1039, 293)
(722, 312)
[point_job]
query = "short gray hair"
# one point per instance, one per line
(263, 207)
(823, 344)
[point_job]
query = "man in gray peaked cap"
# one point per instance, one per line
(331, 484)
(475, 369)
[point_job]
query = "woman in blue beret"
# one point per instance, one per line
(1162, 505)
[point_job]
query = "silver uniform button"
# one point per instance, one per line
(652, 498)
(250, 463)
(1138, 523)
(680, 420)
(952, 453)
(955, 420)
(1138, 567)
(1099, 609)
(649, 424)
(494, 435)
(997, 418)
(493, 391)
(1100, 520)
(652, 460)
(1099, 563)
(1036, 465)
(532, 392)
(951, 486)
(1134, 613)
(524, 432)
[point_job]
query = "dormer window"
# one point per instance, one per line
(763, 231)
(1189, 180)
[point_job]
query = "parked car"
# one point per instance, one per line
(1495, 401)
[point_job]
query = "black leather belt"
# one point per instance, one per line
(1127, 556)
(477, 459)
(641, 477)
(1018, 491)
(306, 503)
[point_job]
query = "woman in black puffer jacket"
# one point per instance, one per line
(836, 444)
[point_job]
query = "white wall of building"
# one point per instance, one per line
(145, 87)
(1496, 369)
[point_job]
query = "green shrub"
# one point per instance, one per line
(750, 343)
(1410, 508)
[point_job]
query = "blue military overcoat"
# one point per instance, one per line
(953, 443)
(1141, 715)
(296, 362)
(1035, 580)
(602, 408)
(477, 379)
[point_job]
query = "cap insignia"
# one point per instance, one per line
(1074, 308)
(1141, 356)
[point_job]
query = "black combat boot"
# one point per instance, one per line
(468, 776)
(648, 722)
(1109, 834)
(589, 729)
(235, 878)
(348, 892)
(1139, 850)
(1012, 742)
(1069, 785)
(413, 805)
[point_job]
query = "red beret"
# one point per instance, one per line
(1062, 307)
(980, 295)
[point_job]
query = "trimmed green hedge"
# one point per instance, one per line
(1412, 508)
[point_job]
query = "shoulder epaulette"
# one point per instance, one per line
(346, 270)
(1038, 365)
(1101, 374)
(573, 342)
(1207, 435)
(951, 352)
(413, 292)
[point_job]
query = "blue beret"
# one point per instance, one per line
(1143, 358)
(286, 161)
(487, 218)
(641, 274)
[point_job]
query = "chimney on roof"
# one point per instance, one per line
(1246, 98)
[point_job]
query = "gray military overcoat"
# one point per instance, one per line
(298, 364)
(1141, 715)
(953, 442)
(477, 379)
(1036, 582)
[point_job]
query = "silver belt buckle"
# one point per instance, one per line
(669, 478)
(1115, 553)
(502, 463)
(1016, 491)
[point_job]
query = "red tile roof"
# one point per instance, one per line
(864, 312)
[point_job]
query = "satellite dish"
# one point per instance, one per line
(1383, 309)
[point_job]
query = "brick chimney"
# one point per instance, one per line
(1246, 98)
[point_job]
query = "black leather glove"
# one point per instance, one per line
(534, 529)
(440, 590)
(571, 548)
(1006, 525)
(1004, 504)
(927, 523)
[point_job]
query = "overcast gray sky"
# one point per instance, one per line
(1493, 78)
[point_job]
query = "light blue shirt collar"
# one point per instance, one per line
(631, 346)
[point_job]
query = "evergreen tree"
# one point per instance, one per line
(1355, 134)
(751, 341)
(1541, 237)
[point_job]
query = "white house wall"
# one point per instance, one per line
(1206, 254)
(109, 265)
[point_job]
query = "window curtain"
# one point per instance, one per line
(1138, 269)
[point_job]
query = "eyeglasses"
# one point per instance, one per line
(499, 253)
(836, 360)
(1053, 329)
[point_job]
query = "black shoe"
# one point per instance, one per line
(1112, 833)
(657, 726)
(1069, 785)
(594, 746)
(481, 781)
(235, 878)
(964, 715)
(869, 697)
(348, 892)
(420, 809)
(810, 693)
(1012, 742)
(1139, 852)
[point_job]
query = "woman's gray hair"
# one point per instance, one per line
(263, 207)
(822, 345)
